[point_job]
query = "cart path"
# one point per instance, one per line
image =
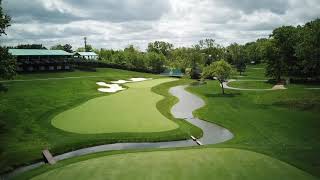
(188, 102)
(276, 87)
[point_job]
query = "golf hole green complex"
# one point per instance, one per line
(132, 110)
(202, 164)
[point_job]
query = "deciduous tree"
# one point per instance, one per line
(221, 70)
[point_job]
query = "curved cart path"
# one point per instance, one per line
(188, 102)
(276, 87)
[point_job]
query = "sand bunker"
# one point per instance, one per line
(111, 88)
(120, 82)
(115, 87)
(279, 86)
(139, 79)
(103, 84)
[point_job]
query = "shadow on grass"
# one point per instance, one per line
(3, 88)
(220, 95)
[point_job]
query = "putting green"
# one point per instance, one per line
(132, 110)
(210, 163)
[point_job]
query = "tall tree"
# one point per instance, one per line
(285, 39)
(4, 20)
(160, 47)
(7, 62)
(156, 62)
(276, 66)
(66, 47)
(221, 70)
(308, 49)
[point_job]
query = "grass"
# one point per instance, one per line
(282, 124)
(205, 163)
(27, 108)
(251, 84)
(252, 72)
(118, 113)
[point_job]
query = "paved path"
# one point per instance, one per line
(212, 133)
(276, 87)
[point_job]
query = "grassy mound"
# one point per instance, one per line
(190, 164)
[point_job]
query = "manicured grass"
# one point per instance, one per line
(251, 84)
(208, 163)
(282, 124)
(252, 72)
(27, 108)
(132, 110)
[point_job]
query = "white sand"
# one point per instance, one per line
(279, 86)
(120, 81)
(103, 84)
(115, 87)
(112, 88)
(139, 79)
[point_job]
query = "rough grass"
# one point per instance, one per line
(27, 108)
(282, 124)
(207, 163)
(252, 72)
(251, 84)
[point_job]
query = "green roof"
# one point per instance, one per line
(38, 52)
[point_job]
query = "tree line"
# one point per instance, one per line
(289, 52)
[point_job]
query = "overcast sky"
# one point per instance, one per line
(117, 23)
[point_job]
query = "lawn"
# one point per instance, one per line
(205, 163)
(132, 110)
(283, 124)
(26, 110)
(251, 84)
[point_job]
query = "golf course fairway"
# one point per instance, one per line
(132, 110)
(208, 163)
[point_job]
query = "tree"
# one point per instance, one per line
(285, 39)
(221, 70)
(160, 47)
(7, 62)
(212, 50)
(66, 47)
(30, 46)
(88, 48)
(308, 49)
(155, 62)
(4, 20)
(276, 66)
(241, 66)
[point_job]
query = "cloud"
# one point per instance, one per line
(117, 23)
(249, 6)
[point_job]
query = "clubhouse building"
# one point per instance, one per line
(48, 60)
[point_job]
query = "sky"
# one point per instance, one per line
(118, 23)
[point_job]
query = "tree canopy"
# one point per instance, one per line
(66, 47)
(7, 61)
(221, 70)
